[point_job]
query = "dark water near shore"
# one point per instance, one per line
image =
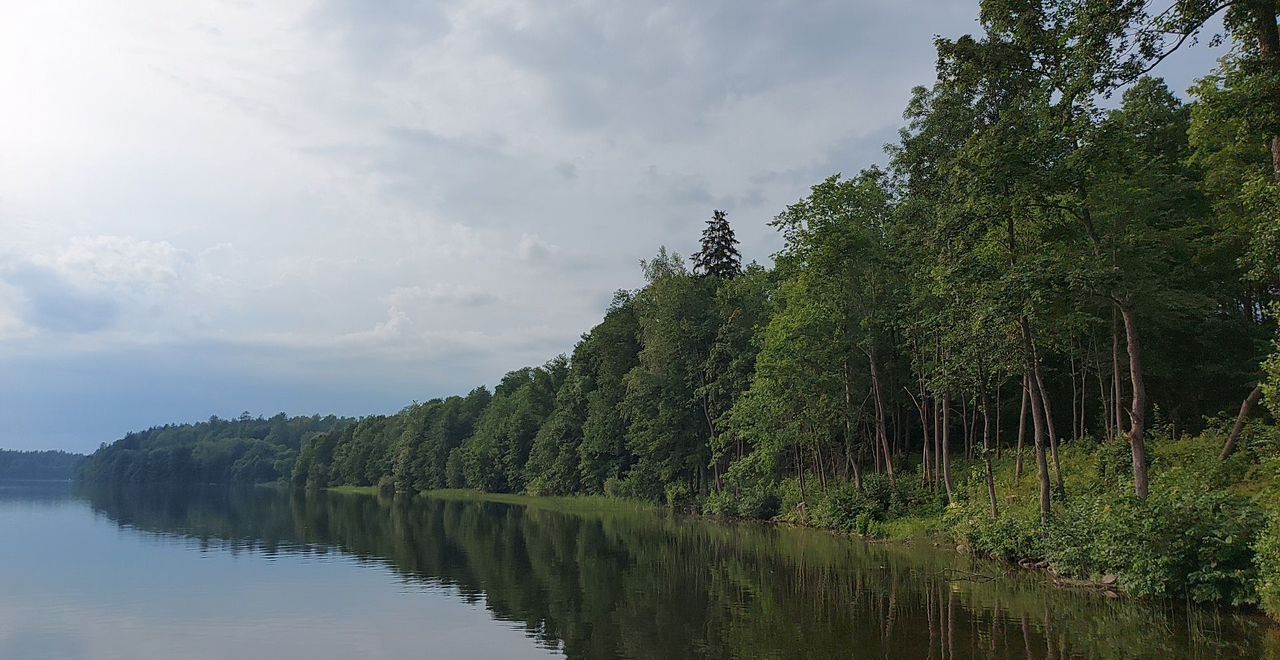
(262, 573)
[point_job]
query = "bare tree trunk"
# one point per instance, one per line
(970, 438)
(849, 431)
(922, 407)
(822, 467)
(986, 456)
(1138, 415)
(1022, 429)
(880, 415)
(1084, 394)
(1105, 403)
(1048, 418)
(1249, 401)
(1075, 396)
(1263, 15)
(999, 416)
(937, 444)
(1117, 390)
(800, 470)
(1037, 421)
(946, 445)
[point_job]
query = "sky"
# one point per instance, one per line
(343, 206)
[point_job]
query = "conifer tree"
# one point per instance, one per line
(719, 257)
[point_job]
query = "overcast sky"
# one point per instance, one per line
(347, 205)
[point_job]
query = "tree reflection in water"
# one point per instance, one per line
(626, 582)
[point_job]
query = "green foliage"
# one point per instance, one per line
(1268, 565)
(1012, 536)
(1177, 542)
(244, 450)
(38, 464)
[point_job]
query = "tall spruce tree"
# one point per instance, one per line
(719, 257)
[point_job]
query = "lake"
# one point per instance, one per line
(265, 573)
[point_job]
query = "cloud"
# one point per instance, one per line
(119, 261)
(50, 302)
(533, 248)
(364, 203)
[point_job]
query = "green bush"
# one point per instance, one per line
(842, 507)
(1115, 463)
(1013, 536)
(1180, 541)
(386, 485)
(793, 507)
(677, 494)
(758, 502)
(1267, 560)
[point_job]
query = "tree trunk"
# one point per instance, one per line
(923, 407)
(1104, 402)
(1084, 394)
(1138, 415)
(1117, 390)
(1022, 430)
(848, 430)
(1048, 419)
(999, 416)
(1037, 421)
(1245, 408)
(800, 470)
(986, 456)
(937, 445)
(880, 414)
(1075, 399)
(1263, 15)
(946, 445)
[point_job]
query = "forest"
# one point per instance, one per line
(40, 465)
(1045, 329)
(218, 451)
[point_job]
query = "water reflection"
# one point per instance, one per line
(638, 584)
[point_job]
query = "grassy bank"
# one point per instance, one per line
(575, 503)
(353, 490)
(1209, 532)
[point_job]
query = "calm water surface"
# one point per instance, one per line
(262, 573)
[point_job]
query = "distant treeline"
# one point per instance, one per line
(243, 450)
(38, 464)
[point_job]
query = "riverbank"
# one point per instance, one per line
(1209, 533)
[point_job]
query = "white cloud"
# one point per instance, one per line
(119, 261)
(423, 194)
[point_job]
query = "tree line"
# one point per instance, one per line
(40, 465)
(246, 449)
(1059, 255)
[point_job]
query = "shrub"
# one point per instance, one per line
(1178, 542)
(677, 494)
(792, 507)
(1267, 560)
(758, 502)
(386, 485)
(750, 489)
(1115, 463)
(842, 507)
(1013, 536)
